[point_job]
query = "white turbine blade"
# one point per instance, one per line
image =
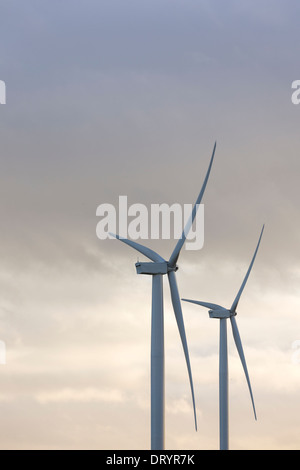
(179, 318)
(239, 347)
(142, 249)
(174, 256)
(203, 304)
(236, 300)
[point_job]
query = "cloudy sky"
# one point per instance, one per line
(127, 97)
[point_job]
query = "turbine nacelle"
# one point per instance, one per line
(154, 268)
(221, 313)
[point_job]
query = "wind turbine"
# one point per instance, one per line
(157, 268)
(217, 311)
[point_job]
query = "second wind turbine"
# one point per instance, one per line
(217, 311)
(157, 268)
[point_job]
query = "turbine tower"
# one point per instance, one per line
(217, 311)
(157, 268)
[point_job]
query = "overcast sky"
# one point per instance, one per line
(127, 97)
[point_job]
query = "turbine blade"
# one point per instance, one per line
(239, 347)
(236, 300)
(179, 319)
(203, 304)
(142, 249)
(174, 256)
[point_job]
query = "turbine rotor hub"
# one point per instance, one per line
(172, 268)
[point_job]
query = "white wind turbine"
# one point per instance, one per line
(157, 268)
(217, 311)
